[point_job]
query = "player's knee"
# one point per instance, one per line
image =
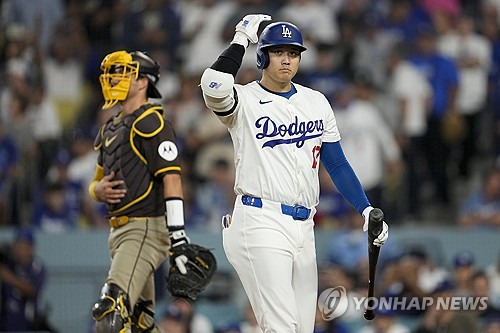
(143, 318)
(111, 311)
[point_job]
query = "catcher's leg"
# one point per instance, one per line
(143, 318)
(111, 311)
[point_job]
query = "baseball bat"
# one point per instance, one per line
(374, 229)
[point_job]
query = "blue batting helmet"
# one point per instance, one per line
(278, 33)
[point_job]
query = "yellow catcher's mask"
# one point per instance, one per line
(118, 71)
(120, 68)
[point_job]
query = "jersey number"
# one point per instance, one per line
(315, 152)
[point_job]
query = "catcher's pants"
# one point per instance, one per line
(137, 249)
(275, 258)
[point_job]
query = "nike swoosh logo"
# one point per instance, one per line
(264, 102)
(109, 141)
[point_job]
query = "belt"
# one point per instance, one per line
(120, 221)
(297, 212)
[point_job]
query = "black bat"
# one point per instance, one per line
(374, 229)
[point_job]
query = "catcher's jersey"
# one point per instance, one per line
(277, 142)
(140, 148)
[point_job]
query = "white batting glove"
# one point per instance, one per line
(384, 234)
(246, 29)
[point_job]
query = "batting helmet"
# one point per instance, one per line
(278, 33)
(132, 65)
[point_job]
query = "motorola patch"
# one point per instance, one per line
(168, 151)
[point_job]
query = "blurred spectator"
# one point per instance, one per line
(385, 321)
(442, 74)
(348, 247)
(371, 48)
(429, 273)
(61, 203)
(413, 96)
(368, 141)
(80, 172)
(400, 278)
(64, 80)
(472, 54)
(328, 326)
(327, 75)
(463, 271)
(481, 289)
(482, 208)
(54, 214)
(332, 211)
(173, 321)
(493, 273)
(45, 126)
(169, 83)
(22, 277)
(451, 7)
(9, 155)
(17, 85)
(315, 19)
(492, 325)
(41, 17)
(333, 276)
(404, 19)
(247, 325)
(203, 39)
(196, 322)
(153, 25)
(439, 318)
(216, 196)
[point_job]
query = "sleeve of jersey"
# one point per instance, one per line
(343, 176)
(331, 132)
(162, 153)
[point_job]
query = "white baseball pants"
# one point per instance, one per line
(275, 259)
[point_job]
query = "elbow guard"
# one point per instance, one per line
(217, 85)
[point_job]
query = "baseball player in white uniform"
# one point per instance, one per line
(280, 131)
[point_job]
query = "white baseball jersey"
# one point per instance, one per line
(277, 142)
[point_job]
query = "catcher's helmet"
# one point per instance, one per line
(132, 65)
(278, 33)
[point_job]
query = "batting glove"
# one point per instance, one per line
(178, 237)
(384, 234)
(246, 29)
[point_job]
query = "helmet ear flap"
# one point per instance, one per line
(262, 59)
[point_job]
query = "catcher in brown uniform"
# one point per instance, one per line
(138, 176)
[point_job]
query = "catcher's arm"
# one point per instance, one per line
(191, 266)
(174, 214)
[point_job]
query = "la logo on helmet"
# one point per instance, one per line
(285, 32)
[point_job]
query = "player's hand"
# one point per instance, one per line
(105, 190)
(384, 234)
(178, 237)
(246, 29)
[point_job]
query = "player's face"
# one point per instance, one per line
(283, 63)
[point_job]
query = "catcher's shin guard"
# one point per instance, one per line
(143, 318)
(111, 311)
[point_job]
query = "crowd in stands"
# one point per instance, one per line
(414, 84)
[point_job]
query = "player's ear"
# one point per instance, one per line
(143, 83)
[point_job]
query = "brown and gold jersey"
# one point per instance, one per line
(140, 148)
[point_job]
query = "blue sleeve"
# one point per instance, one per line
(343, 176)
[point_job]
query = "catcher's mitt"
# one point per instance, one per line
(200, 266)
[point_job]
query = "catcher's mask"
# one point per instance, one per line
(120, 68)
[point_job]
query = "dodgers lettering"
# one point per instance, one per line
(297, 131)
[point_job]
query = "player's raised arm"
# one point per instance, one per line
(217, 81)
